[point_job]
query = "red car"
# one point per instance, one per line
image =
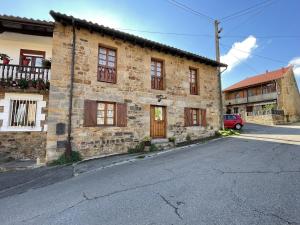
(233, 121)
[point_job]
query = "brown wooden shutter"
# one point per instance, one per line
(187, 117)
(90, 113)
(203, 117)
(121, 114)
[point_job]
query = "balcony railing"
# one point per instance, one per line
(236, 101)
(157, 83)
(255, 98)
(263, 97)
(28, 73)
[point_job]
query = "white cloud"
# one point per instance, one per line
(239, 52)
(296, 63)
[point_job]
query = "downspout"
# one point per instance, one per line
(221, 98)
(69, 145)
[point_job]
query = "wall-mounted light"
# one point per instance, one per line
(160, 97)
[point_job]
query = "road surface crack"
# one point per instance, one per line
(172, 206)
(276, 216)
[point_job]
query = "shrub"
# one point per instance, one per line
(172, 139)
(75, 157)
(188, 137)
(228, 132)
(153, 148)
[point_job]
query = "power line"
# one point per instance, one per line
(251, 17)
(245, 11)
(264, 37)
(189, 9)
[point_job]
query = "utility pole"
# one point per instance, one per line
(217, 45)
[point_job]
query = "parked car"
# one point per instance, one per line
(233, 121)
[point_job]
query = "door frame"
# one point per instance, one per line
(165, 121)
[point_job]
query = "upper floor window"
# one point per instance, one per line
(193, 82)
(107, 65)
(157, 74)
(32, 58)
(269, 88)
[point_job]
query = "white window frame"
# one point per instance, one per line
(5, 115)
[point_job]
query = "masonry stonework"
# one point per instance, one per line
(289, 97)
(133, 87)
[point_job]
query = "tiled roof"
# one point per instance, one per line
(26, 20)
(68, 20)
(23, 25)
(258, 79)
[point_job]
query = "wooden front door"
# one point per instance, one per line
(158, 121)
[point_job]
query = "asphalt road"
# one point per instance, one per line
(250, 179)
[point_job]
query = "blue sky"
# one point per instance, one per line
(245, 41)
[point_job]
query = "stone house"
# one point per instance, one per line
(269, 98)
(24, 87)
(111, 89)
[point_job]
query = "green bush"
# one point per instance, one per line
(75, 157)
(139, 148)
(172, 139)
(228, 132)
(153, 148)
(188, 137)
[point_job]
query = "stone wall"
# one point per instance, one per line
(289, 97)
(266, 119)
(24, 145)
(133, 87)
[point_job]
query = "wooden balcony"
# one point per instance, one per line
(24, 76)
(157, 83)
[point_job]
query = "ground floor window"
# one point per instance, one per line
(194, 117)
(22, 112)
(106, 113)
(236, 110)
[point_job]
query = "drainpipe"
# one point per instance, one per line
(69, 145)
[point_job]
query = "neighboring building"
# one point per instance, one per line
(124, 89)
(269, 98)
(24, 87)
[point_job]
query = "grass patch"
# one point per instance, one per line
(62, 160)
(228, 132)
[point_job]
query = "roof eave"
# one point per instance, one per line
(68, 20)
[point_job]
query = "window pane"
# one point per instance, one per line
(110, 121)
(111, 58)
(103, 57)
(101, 106)
(111, 64)
(158, 111)
(100, 121)
(102, 50)
(112, 53)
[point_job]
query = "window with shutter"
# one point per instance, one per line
(104, 114)
(193, 81)
(203, 117)
(194, 117)
(121, 114)
(107, 65)
(90, 113)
